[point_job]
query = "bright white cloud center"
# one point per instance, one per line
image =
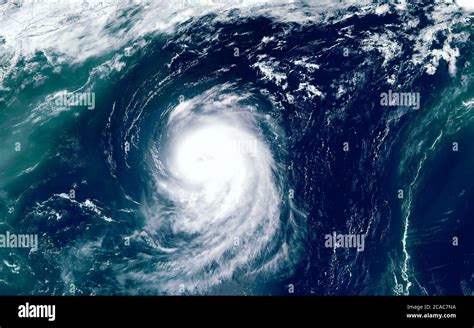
(210, 153)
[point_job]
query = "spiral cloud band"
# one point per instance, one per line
(219, 201)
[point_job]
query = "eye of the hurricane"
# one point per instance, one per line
(212, 152)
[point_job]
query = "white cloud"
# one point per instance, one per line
(466, 4)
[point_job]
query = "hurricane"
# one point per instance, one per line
(247, 147)
(216, 200)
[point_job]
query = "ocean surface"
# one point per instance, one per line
(210, 147)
